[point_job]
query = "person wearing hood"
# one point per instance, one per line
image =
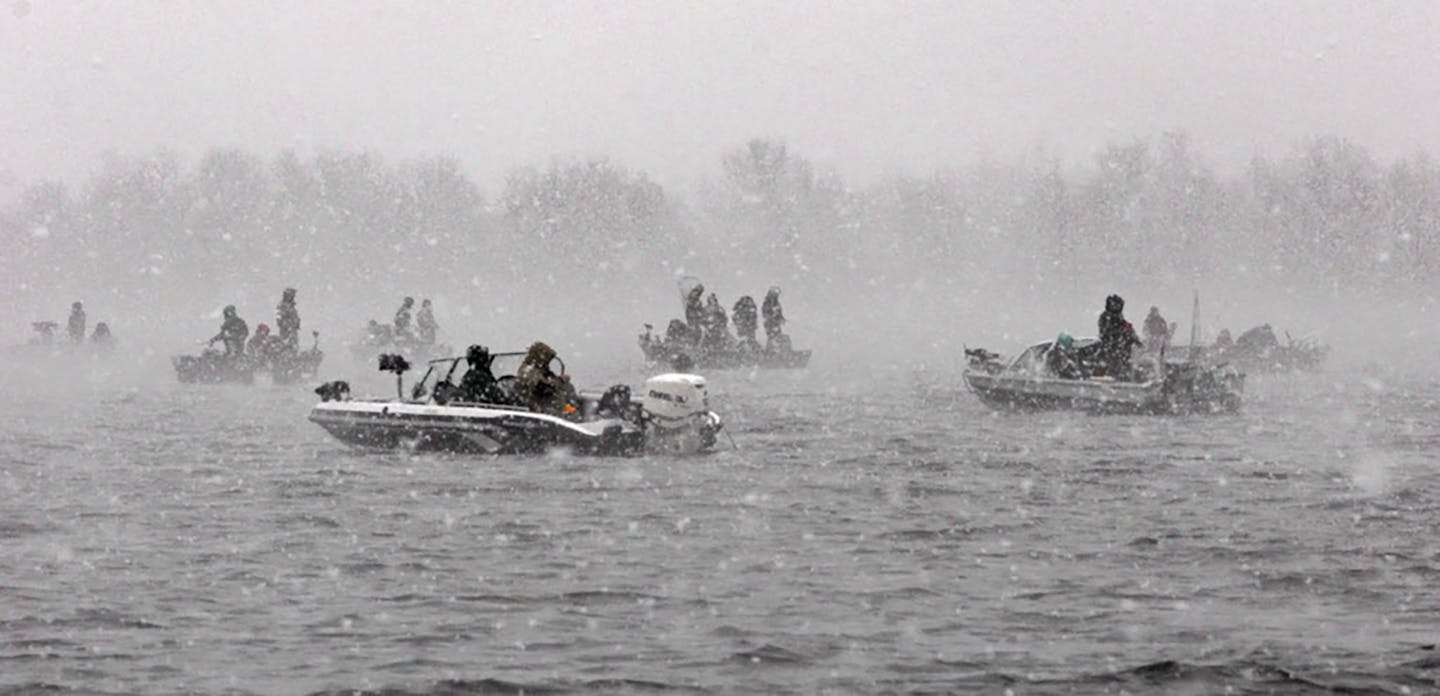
(695, 312)
(479, 384)
(717, 325)
(425, 323)
(263, 345)
(1157, 330)
(377, 334)
(1117, 338)
(774, 316)
(287, 320)
(233, 331)
(1061, 360)
(76, 325)
(403, 320)
(746, 320)
(101, 338)
(541, 389)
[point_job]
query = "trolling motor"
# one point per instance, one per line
(394, 362)
(984, 360)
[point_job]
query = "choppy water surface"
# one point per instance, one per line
(885, 534)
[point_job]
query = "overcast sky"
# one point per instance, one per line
(870, 89)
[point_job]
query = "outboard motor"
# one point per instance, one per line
(677, 406)
(671, 400)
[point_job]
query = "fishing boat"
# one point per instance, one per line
(1161, 386)
(671, 415)
(215, 367)
(1259, 351)
(678, 352)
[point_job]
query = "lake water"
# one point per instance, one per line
(867, 533)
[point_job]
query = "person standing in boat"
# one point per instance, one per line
(1157, 330)
(695, 313)
(76, 326)
(287, 320)
(233, 332)
(425, 323)
(717, 326)
(1117, 338)
(746, 321)
(403, 321)
(774, 318)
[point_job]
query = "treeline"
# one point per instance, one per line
(1151, 212)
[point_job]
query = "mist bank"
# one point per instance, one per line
(1326, 240)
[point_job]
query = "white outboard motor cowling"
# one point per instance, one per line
(672, 400)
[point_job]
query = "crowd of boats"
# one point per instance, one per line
(524, 401)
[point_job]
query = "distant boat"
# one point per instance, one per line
(1258, 350)
(214, 367)
(679, 354)
(1026, 384)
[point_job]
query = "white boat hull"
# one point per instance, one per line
(484, 429)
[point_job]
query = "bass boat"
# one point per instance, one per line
(214, 367)
(1162, 387)
(671, 415)
(678, 352)
(1259, 350)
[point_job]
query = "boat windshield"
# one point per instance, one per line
(438, 371)
(1032, 361)
(453, 370)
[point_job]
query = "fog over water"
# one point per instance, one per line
(916, 177)
(997, 130)
(871, 89)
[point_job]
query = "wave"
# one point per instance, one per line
(502, 687)
(770, 654)
(1244, 676)
(84, 618)
(37, 688)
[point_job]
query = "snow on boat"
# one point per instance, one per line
(671, 416)
(1026, 384)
